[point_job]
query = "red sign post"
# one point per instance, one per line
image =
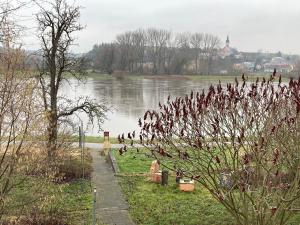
(106, 135)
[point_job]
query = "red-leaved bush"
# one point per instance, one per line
(240, 141)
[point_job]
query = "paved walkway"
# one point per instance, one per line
(111, 207)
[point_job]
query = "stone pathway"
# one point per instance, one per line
(111, 207)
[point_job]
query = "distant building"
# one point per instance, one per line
(227, 50)
(244, 66)
(223, 72)
(280, 64)
(239, 56)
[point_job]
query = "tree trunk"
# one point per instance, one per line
(52, 135)
(52, 121)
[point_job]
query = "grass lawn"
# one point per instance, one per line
(75, 200)
(94, 139)
(154, 204)
(69, 202)
(133, 162)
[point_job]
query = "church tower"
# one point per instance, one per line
(227, 41)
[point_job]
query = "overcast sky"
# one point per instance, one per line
(252, 25)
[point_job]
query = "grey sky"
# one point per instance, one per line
(270, 25)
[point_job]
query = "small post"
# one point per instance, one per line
(94, 207)
(106, 135)
(81, 146)
(80, 137)
(83, 155)
(83, 138)
(106, 143)
(164, 177)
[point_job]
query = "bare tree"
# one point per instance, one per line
(125, 54)
(196, 44)
(157, 43)
(106, 58)
(139, 45)
(182, 56)
(158, 51)
(211, 45)
(19, 119)
(170, 55)
(7, 8)
(58, 21)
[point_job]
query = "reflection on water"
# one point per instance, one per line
(129, 98)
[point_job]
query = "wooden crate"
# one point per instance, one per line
(187, 185)
(156, 177)
(155, 173)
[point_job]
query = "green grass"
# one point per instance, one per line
(76, 200)
(69, 202)
(75, 138)
(98, 75)
(136, 162)
(133, 162)
(94, 139)
(154, 204)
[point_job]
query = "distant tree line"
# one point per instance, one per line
(156, 51)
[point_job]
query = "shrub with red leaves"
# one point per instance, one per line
(247, 133)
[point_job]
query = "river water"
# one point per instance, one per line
(129, 98)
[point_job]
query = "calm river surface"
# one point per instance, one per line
(129, 98)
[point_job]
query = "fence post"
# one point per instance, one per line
(80, 137)
(83, 147)
(164, 177)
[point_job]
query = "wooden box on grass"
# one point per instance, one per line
(156, 177)
(155, 173)
(187, 185)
